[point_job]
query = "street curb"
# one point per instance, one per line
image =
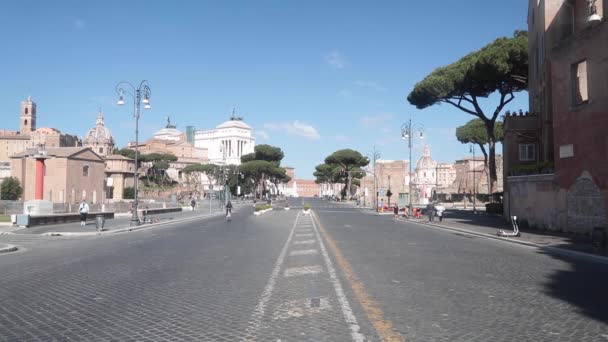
(129, 229)
(557, 250)
(8, 249)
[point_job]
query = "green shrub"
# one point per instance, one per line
(11, 189)
(307, 206)
(128, 193)
(261, 207)
(494, 208)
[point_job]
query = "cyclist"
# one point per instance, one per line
(228, 209)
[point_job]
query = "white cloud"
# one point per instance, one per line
(295, 128)
(343, 138)
(376, 120)
(262, 135)
(370, 84)
(336, 60)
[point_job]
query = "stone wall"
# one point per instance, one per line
(538, 201)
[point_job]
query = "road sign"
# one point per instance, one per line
(382, 192)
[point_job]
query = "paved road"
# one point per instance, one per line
(340, 275)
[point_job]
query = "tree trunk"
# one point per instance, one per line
(485, 166)
(492, 155)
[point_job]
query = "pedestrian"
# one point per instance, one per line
(193, 203)
(430, 208)
(382, 205)
(83, 209)
(396, 210)
(440, 209)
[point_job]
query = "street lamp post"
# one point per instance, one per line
(143, 90)
(472, 150)
(407, 133)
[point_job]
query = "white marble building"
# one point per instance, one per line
(227, 142)
(425, 177)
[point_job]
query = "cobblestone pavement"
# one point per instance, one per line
(437, 285)
(283, 277)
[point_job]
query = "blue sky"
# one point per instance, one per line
(310, 76)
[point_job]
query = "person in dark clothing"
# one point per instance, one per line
(396, 210)
(430, 208)
(228, 208)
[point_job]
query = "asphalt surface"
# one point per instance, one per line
(342, 274)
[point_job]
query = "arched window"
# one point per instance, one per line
(26, 109)
(85, 171)
(25, 122)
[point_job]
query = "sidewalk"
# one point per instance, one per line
(121, 223)
(488, 225)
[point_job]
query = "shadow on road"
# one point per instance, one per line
(582, 285)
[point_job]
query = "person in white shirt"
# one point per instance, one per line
(84, 211)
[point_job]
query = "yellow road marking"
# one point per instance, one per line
(383, 326)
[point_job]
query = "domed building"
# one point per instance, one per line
(227, 142)
(425, 177)
(169, 133)
(99, 138)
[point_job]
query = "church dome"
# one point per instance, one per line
(100, 133)
(426, 162)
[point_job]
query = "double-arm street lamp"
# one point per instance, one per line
(472, 150)
(140, 95)
(408, 130)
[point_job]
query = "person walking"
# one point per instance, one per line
(396, 210)
(440, 209)
(382, 205)
(431, 211)
(83, 209)
(192, 203)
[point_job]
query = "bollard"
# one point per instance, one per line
(100, 221)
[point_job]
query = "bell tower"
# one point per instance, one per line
(28, 116)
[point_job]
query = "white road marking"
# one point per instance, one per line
(305, 235)
(304, 231)
(300, 308)
(304, 242)
(304, 252)
(298, 271)
(258, 313)
(349, 316)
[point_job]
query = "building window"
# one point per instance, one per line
(578, 77)
(527, 152)
(26, 110)
(101, 150)
(85, 171)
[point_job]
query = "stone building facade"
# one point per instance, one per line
(71, 174)
(568, 189)
(227, 142)
(29, 136)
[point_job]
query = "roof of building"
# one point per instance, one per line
(174, 132)
(47, 130)
(59, 152)
(117, 157)
(234, 123)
